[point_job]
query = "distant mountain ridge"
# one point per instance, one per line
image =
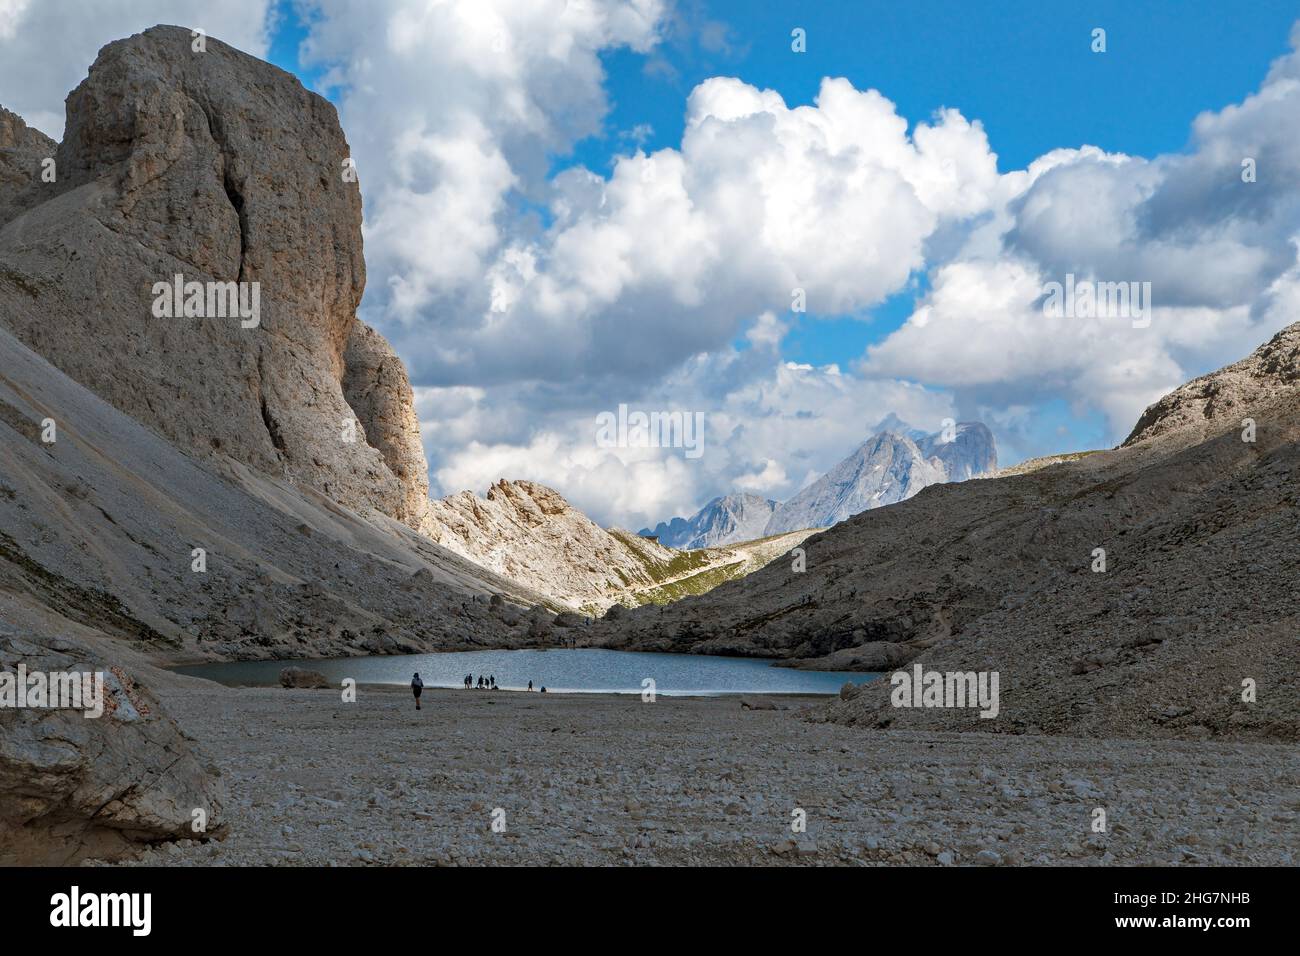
(1198, 527)
(895, 463)
(728, 519)
(529, 533)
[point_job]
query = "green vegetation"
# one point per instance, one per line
(682, 562)
(695, 584)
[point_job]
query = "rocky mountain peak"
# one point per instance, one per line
(886, 468)
(219, 168)
(727, 519)
(1226, 396)
(23, 153)
(969, 453)
(892, 423)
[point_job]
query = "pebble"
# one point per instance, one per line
(718, 785)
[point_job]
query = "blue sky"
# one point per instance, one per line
(1023, 69)
(533, 269)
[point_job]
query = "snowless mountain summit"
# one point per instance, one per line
(1124, 593)
(891, 466)
(728, 519)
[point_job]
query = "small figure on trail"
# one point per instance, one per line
(417, 686)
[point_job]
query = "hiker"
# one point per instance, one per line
(417, 686)
(543, 688)
(530, 685)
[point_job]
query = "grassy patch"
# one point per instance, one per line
(695, 584)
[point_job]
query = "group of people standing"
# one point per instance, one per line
(488, 682)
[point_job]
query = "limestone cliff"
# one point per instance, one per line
(217, 167)
(528, 533)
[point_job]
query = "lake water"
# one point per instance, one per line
(585, 671)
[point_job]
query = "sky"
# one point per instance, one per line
(576, 206)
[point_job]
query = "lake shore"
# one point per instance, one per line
(605, 780)
(572, 670)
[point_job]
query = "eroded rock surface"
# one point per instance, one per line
(1201, 534)
(23, 150)
(73, 787)
(220, 168)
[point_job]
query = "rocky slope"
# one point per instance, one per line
(221, 168)
(180, 489)
(729, 519)
(23, 150)
(891, 466)
(709, 567)
(530, 534)
(1200, 530)
(1213, 403)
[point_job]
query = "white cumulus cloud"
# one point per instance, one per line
(46, 46)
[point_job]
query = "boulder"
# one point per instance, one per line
(302, 678)
(75, 788)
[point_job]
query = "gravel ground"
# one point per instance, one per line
(612, 780)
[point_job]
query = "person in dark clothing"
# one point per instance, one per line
(417, 686)
(530, 685)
